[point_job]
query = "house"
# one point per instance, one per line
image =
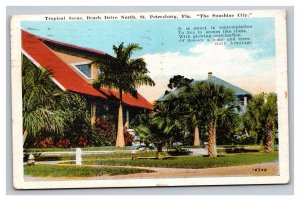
(72, 71)
(242, 95)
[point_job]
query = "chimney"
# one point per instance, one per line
(210, 74)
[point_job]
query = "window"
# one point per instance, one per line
(84, 69)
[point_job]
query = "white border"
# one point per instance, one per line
(283, 114)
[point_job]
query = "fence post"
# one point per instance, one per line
(78, 156)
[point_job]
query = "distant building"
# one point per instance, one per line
(71, 71)
(242, 95)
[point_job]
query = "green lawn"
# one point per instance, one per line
(124, 159)
(122, 155)
(55, 157)
(115, 155)
(102, 148)
(77, 171)
(221, 148)
(188, 161)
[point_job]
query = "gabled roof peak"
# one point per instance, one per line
(36, 48)
(89, 50)
(212, 79)
(237, 90)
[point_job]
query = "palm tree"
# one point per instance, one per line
(193, 104)
(209, 104)
(270, 116)
(40, 111)
(252, 119)
(219, 101)
(262, 118)
(229, 125)
(124, 74)
(162, 125)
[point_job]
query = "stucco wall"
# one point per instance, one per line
(72, 59)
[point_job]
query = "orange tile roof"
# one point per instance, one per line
(66, 76)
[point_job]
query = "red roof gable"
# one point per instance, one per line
(72, 46)
(66, 76)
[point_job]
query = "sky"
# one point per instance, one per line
(251, 67)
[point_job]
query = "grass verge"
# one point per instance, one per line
(55, 157)
(122, 155)
(77, 171)
(114, 155)
(103, 148)
(190, 161)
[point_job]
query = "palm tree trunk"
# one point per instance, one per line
(93, 112)
(212, 147)
(120, 142)
(196, 137)
(25, 136)
(159, 149)
(269, 137)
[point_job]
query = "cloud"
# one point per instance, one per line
(238, 66)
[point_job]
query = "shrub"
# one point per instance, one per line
(128, 138)
(179, 152)
(45, 143)
(104, 125)
(83, 142)
(104, 133)
(50, 142)
(244, 139)
(62, 143)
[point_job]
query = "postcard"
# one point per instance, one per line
(149, 99)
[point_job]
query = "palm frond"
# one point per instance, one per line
(130, 49)
(122, 72)
(144, 80)
(46, 120)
